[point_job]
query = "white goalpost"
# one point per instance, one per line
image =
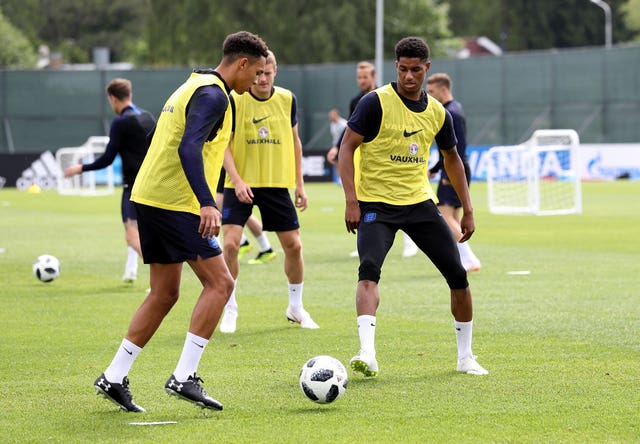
(87, 183)
(537, 177)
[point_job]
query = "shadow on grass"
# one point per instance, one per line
(247, 332)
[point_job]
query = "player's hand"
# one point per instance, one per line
(243, 192)
(332, 155)
(301, 198)
(210, 219)
(352, 216)
(467, 226)
(73, 170)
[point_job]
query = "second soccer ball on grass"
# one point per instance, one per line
(46, 268)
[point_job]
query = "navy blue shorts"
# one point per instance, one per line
(276, 209)
(170, 237)
(446, 193)
(127, 208)
(423, 222)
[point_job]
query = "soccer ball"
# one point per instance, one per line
(46, 268)
(323, 379)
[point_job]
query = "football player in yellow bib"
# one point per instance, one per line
(263, 161)
(366, 78)
(178, 218)
(393, 128)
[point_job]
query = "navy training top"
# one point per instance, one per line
(127, 137)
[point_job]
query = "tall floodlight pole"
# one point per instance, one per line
(379, 41)
(607, 20)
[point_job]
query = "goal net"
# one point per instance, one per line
(537, 177)
(89, 183)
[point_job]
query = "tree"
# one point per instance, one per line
(74, 27)
(519, 25)
(190, 32)
(299, 32)
(631, 17)
(427, 19)
(16, 50)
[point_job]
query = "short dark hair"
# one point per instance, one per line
(120, 89)
(412, 47)
(243, 44)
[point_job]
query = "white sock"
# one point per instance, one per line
(243, 239)
(295, 295)
(122, 361)
(190, 357)
(232, 304)
(132, 260)
(367, 333)
(263, 241)
(408, 242)
(464, 334)
(466, 255)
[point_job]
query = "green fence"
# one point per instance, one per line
(594, 91)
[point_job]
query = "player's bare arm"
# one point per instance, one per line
(455, 170)
(301, 200)
(332, 155)
(350, 142)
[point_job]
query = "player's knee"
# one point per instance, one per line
(166, 297)
(368, 271)
(132, 240)
(230, 248)
(457, 279)
(226, 285)
(293, 247)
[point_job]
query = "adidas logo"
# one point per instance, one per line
(43, 172)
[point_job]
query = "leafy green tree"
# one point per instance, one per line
(75, 27)
(299, 32)
(190, 32)
(631, 17)
(26, 16)
(427, 19)
(16, 50)
(519, 25)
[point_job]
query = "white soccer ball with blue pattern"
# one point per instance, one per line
(323, 379)
(46, 268)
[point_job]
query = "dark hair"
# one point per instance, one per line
(243, 44)
(412, 47)
(120, 89)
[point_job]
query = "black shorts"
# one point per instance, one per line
(423, 222)
(127, 208)
(220, 187)
(446, 193)
(170, 237)
(276, 209)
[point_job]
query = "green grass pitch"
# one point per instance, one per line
(562, 343)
